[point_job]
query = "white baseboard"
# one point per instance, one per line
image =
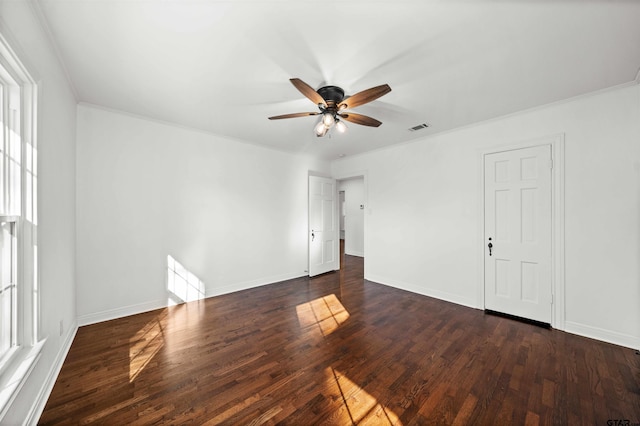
(597, 333)
(159, 304)
(591, 332)
(121, 312)
(245, 285)
(43, 395)
(437, 294)
(47, 387)
(354, 253)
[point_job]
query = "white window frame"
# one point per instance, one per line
(16, 81)
(9, 275)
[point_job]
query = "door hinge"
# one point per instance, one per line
(552, 299)
(551, 164)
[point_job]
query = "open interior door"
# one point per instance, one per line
(323, 226)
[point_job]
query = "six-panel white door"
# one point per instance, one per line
(323, 226)
(517, 204)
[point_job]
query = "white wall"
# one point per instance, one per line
(354, 226)
(433, 185)
(56, 202)
(232, 213)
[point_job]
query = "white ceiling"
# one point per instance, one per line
(224, 66)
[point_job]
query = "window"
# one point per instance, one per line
(7, 286)
(19, 307)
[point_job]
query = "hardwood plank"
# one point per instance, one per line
(337, 349)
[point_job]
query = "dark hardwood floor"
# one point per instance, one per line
(336, 349)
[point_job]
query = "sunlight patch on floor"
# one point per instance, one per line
(358, 406)
(143, 346)
(326, 313)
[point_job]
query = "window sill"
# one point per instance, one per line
(16, 373)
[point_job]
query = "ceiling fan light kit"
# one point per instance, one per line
(328, 122)
(331, 102)
(321, 129)
(328, 119)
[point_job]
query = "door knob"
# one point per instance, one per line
(490, 245)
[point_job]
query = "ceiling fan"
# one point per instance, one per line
(333, 104)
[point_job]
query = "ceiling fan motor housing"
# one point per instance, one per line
(331, 94)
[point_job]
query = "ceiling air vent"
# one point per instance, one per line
(418, 127)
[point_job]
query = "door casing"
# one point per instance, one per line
(357, 174)
(556, 142)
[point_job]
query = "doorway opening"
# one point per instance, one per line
(335, 205)
(351, 213)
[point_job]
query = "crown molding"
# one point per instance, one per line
(44, 24)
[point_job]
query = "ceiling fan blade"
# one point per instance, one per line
(294, 115)
(360, 119)
(308, 91)
(364, 97)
